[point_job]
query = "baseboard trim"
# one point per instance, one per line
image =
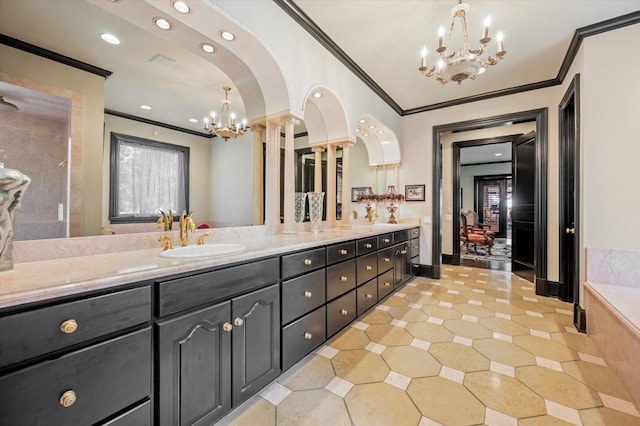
(579, 318)
(553, 288)
(451, 259)
(542, 286)
(426, 271)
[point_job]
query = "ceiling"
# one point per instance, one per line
(380, 40)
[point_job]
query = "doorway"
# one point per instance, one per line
(540, 117)
(493, 196)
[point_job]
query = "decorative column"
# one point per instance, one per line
(289, 176)
(272, 176)
(317, 171)
(374, 187)
(346, 193)
(331, 183)
(258, 172)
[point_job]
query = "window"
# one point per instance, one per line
(146, 177)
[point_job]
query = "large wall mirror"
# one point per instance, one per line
(150, 68)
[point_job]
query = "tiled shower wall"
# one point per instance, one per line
(36, 146)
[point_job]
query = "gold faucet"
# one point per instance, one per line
(201, 238)
(165, 221)
(186, 224)
(167, 242)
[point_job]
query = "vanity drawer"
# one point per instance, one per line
(414, 233)
(385, 284)
(196, 290)
(367, 296)
(414, 247)
(385, 260)
(32, 333)
(341, 278)
(341, 312)
(339, 252)
(303, 294)
(385, 240)
(366, 245)
(299, 263)
(367, 267)
(138, 416)
(104, 379)
(302, 336)
(400, 236)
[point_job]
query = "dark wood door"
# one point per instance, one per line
(523, 211)
(194, 367)
(491, 197)
(255, 341)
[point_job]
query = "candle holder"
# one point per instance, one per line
(300, 205)
(315, 210)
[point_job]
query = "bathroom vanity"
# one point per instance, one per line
(182, 342)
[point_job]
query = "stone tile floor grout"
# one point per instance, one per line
(476, 347)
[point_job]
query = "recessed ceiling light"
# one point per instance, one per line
(147, 107)
(227, 35)
(193, 120)
(498, 154)
(162, 23)
(206, 47)
(362, 120)
(365, 134)
(317, 95)
(372, 126)
(181, 6)
(110, 38)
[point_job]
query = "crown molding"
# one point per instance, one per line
(158, 123)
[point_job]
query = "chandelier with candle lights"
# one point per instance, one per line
(464, 63)
(227, 126)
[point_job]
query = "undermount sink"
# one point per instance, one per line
(205, 250)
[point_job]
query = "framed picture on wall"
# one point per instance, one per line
(356, 192)
(414, 192)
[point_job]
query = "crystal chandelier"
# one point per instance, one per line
(465, 63)
(227, 127)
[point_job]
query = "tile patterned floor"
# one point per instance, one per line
(476, 347)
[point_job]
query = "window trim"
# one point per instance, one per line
(114, 178)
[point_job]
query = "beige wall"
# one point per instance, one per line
(91, 87)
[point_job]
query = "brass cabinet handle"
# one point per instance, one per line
(368, 296)
(68, 399)
(69, 326)
(343, 312)
(307, 262)
(387, 284)
(386, 259)
(368, 245)
(385, 240)
(415, 265)
(227, 326)
(343, 279)
(415, 247)
(343, 252)
(307, 294)
(308, 335)
(369, 267)
(239, 322)
(403, 252)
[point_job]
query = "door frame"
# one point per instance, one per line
(540, 116)
(477, 197)
(569, 151)
(456, 147)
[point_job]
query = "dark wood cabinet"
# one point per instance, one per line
(341, 312)
(193, 368)
(302, 336)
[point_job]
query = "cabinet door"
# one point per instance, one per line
(402, 263)
(194, 367)
(256, 341)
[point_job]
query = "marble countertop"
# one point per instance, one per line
(37, 281)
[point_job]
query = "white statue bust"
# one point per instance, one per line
(13, 185)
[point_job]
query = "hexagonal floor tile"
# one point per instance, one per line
(388, 335)
(377, 316)
(257, 412)
(422, 299)
(445, 402)
(411, 362)
(504, 352)
(468, 329)
(313, 407)
(380, 404)
(504, 308)
(429, 332)
(538, 323)
(396, 301)
(360, 366)
(607, 416)
(315, 374)
(450, 298)
(351, 338)
(504, 326)
(545, 348)
(598, 377)
(577, 342)
(532, 306)
(473, 310)
(408, 314)
(441, 312)
(459, 357)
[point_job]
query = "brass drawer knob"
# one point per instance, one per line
(343, 279)
(368, 245)
(386, 240)
(369, 267)
(68, 399)
(343, 252)
(403, 252)
(69, 326)
(343, 312)
(227, 326)
(307, 262)
(307, 294)
(308, 335)
(416, 247)
(239, 322)
(415, 265)
(387, 284)
(386, 259)
(368, 296)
